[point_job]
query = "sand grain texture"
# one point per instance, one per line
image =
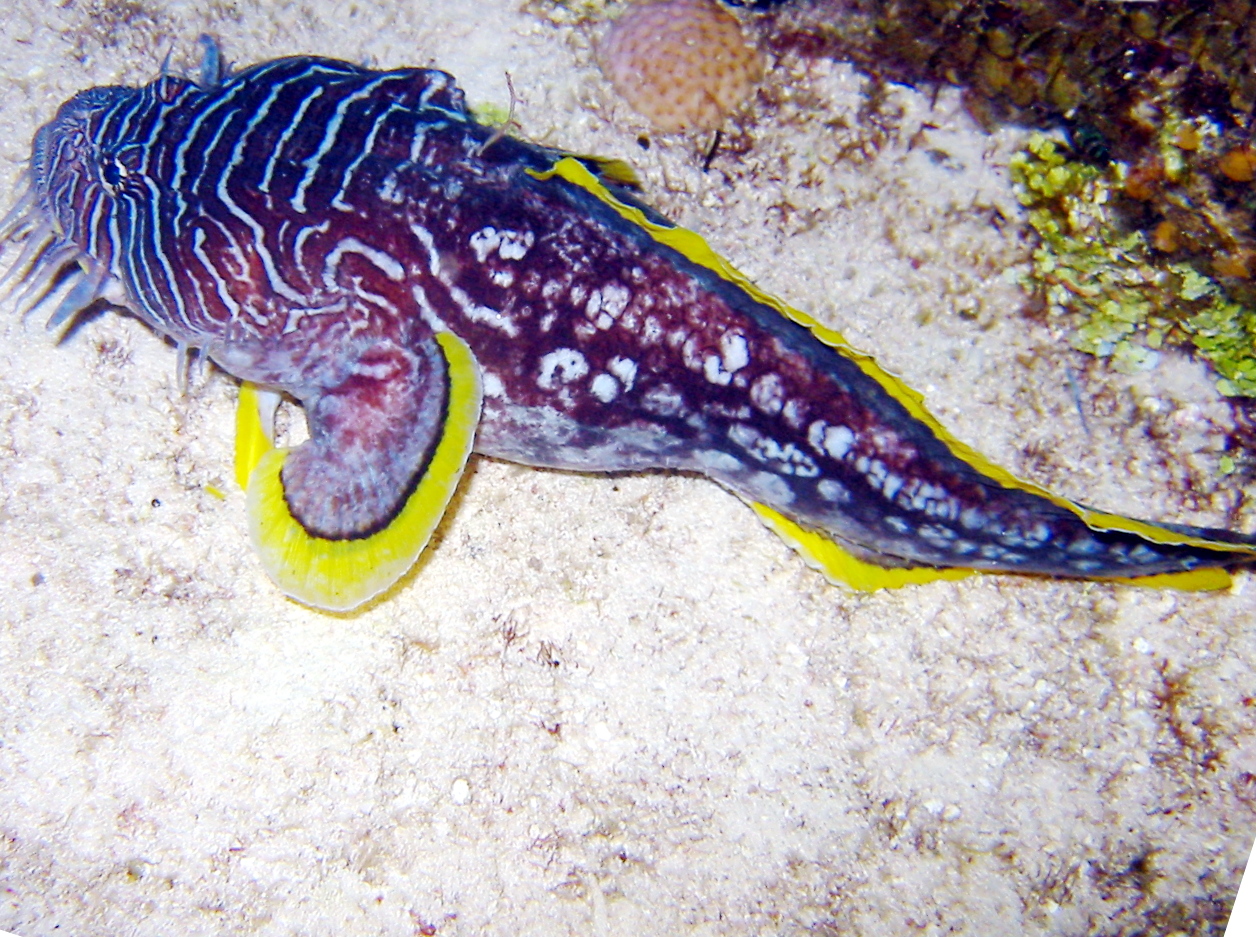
(609, 706)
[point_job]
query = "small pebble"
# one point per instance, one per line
(1239, 164)
(460, 791)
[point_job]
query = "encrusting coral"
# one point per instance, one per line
(1124, 298)
(684, 65)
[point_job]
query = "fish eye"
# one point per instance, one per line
(111, 173)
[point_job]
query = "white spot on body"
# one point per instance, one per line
(604, 387)
(1039, 534)
(946, 508)
(936, 535)
(735, 351)
(484, 242)
(688, 351)
(606, 304)
(788, 458)
(897, 524)
(1085, 546)
(561, 366)
(493, 386)
(389, 191)
(972, 518)
(836, 441)
(515, 244)
(767, 393)
(625, 369)
(931, 499)
(713, 370)
(509, 245)
(891, 487)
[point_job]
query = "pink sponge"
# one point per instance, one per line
(681, 64)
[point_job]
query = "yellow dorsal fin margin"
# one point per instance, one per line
(340, 575)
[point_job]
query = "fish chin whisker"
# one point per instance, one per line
(38, 243)
(22, 217)
(48, 271)
(85, 291)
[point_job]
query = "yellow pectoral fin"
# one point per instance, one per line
(340, 575)
(844, 568)
(252, 441)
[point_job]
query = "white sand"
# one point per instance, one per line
(609, 706)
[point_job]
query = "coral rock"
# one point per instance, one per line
(681, 64)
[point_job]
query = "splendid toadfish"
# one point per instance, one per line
(425, 286)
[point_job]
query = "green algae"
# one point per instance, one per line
(490, 114)
(1120, 298)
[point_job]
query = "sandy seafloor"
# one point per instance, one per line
(610, 706)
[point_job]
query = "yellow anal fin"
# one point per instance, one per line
(845, 568)
(253, 430)
(339, 575)
(1208, 579)
(842, 567)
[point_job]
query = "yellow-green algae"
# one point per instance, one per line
(1124, 299)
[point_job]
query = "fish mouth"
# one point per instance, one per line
(51, 265)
